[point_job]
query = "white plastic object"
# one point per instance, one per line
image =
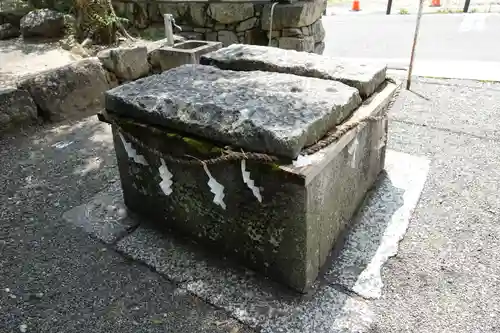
(166, 176)
(216, 188)
(132, 153)
(353, 149)
(247, 180)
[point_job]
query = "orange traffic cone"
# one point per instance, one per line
(355, 6)
(436, 3)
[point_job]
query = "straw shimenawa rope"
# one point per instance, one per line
(229, 155)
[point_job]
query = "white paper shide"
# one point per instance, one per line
(216, 188)
(132, 153)
(247, 180)
(166, 176)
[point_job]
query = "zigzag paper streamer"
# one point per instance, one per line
(247, 180)
(166, 176)
(132, 153)
(216, 188)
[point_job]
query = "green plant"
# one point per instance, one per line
(403, 11)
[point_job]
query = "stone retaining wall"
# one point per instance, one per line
(296, 26)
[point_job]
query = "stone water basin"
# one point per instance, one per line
(188, 52)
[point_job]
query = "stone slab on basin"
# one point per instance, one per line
(364, 77)
(188, 52)
(303, 209)
(258, 111)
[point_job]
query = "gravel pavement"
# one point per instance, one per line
(55, 278)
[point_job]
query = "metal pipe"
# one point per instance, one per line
(417, 28)
(389, 6)
(466, 6)
(169, 33)
(271, 23)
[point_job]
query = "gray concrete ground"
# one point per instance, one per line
(55, 278)
(454, 37)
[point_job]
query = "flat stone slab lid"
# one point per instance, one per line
(364, 77)
(266, 112)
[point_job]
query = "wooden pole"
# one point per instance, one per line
(417, 28)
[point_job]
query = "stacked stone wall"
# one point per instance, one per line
(296, 26)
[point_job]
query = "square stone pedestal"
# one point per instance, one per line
(284, 226)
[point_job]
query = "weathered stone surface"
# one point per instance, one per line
(304, 210)
(227, 13)
(14, 15)
(42, 23)
(318, 31)
(247, 24)
(305, 43)
(7, 31)
(292, 32)
(227, 37)
(256, 36)
(127, 63)
(197, 12)
(319, 48)
(71, 91)
(177, 10)
(211, 36)
(219, 26)
(295, 15)
(268, 112)
(17, 108)
(365, 78)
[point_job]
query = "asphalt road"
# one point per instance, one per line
(462, 39)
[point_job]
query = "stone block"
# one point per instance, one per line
(267, 112)
(42, 23)
(364, 77)
(318, 31)
(72, 91)
(189, 52)
(8, 31)
(256, 37)
(178, 10)
(227, 37)
(292, 32)
(198, 14)
(127, 63)
(247, 24)
(219, 27)
(295, 15)
(14, 15)
(305, 43)
(17, 108)
(319, 48)
(211, 36)
(303, 210)
(227, 13)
